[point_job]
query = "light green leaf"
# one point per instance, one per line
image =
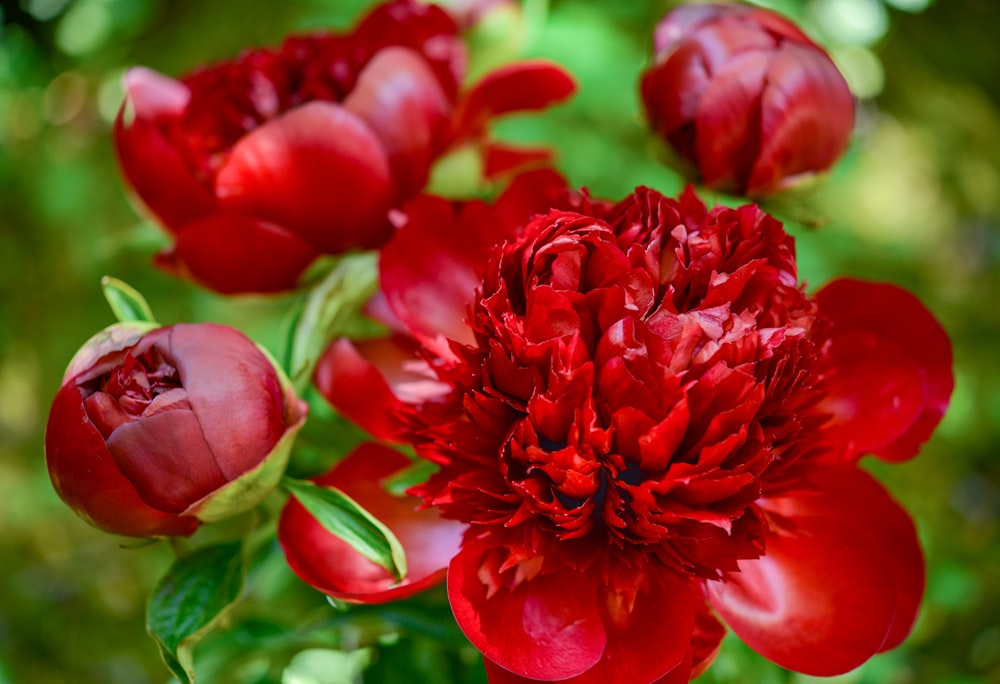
(126, 302)
(413, 474)
(189, 601)
(329, 309)
(344, 518)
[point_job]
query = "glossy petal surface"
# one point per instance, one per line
(333, 567)
(319, 171)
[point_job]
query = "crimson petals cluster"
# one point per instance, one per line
(648, 425)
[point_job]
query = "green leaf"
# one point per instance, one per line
(189, 601)
(329, 309)
(416, 473)
(346, 519)
(126, 302)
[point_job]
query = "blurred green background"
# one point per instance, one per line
(916, 201)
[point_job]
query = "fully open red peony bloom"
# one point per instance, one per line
(646, 425)
(745, 97)
(257, 166)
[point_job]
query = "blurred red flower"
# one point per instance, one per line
(156, 430)
(258, 165)
(744, 96)
(646, 425)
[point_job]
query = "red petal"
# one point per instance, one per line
(333, 567)
(319, 171)
(807, 114)
(399, 96)
(373, 381)
(671, 92)
(429, 271)
(233, 390)
(87, 478)
(839, 582)
(728, 121)
(518, 87)
(548, 627)
(857, 501)
(888, 397)
(500, 159)
(150, 164)
(232, 254)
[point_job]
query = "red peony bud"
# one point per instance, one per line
(156, 430)
(746, 97)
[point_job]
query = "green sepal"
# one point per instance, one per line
(125, 301)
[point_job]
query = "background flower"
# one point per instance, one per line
(744, 96)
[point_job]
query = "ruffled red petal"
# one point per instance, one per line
(335, 568)
(890, 376)
(235, 254)
(319, 171)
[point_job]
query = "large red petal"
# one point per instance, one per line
(87, 478)
(891, 408)
(233, 254)
(335, 568)
(151, 165)
(840, 581)
(528, 85)
(857, 501)
(548, 627)
(233, 390)
(807, 113)
(372, 382)
(319, 171)
(399, 96)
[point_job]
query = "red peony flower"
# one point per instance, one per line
(646, 425)
(746, 97)
(156, 430)
(259, 165)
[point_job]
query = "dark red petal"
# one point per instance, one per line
(728, 121)
(234, 254)
(429, 271)
(825, 596)
(372, 382)
(318, 171)
(400, 98)
(683, 20)
(671, 92)
(87, 478)
(500, 159)
(855, 499)
(548, 627)
(873, 407)
(233, 390)
(522, 86)
(154, 170)
(333, 567)
(807, 114)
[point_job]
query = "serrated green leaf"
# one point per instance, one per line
(328, 310)
(344, 518)
(190, 599)
(125, 301)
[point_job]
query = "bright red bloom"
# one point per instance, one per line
(746, 97)
(259, 165)
(156, 430)
(646, 423)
